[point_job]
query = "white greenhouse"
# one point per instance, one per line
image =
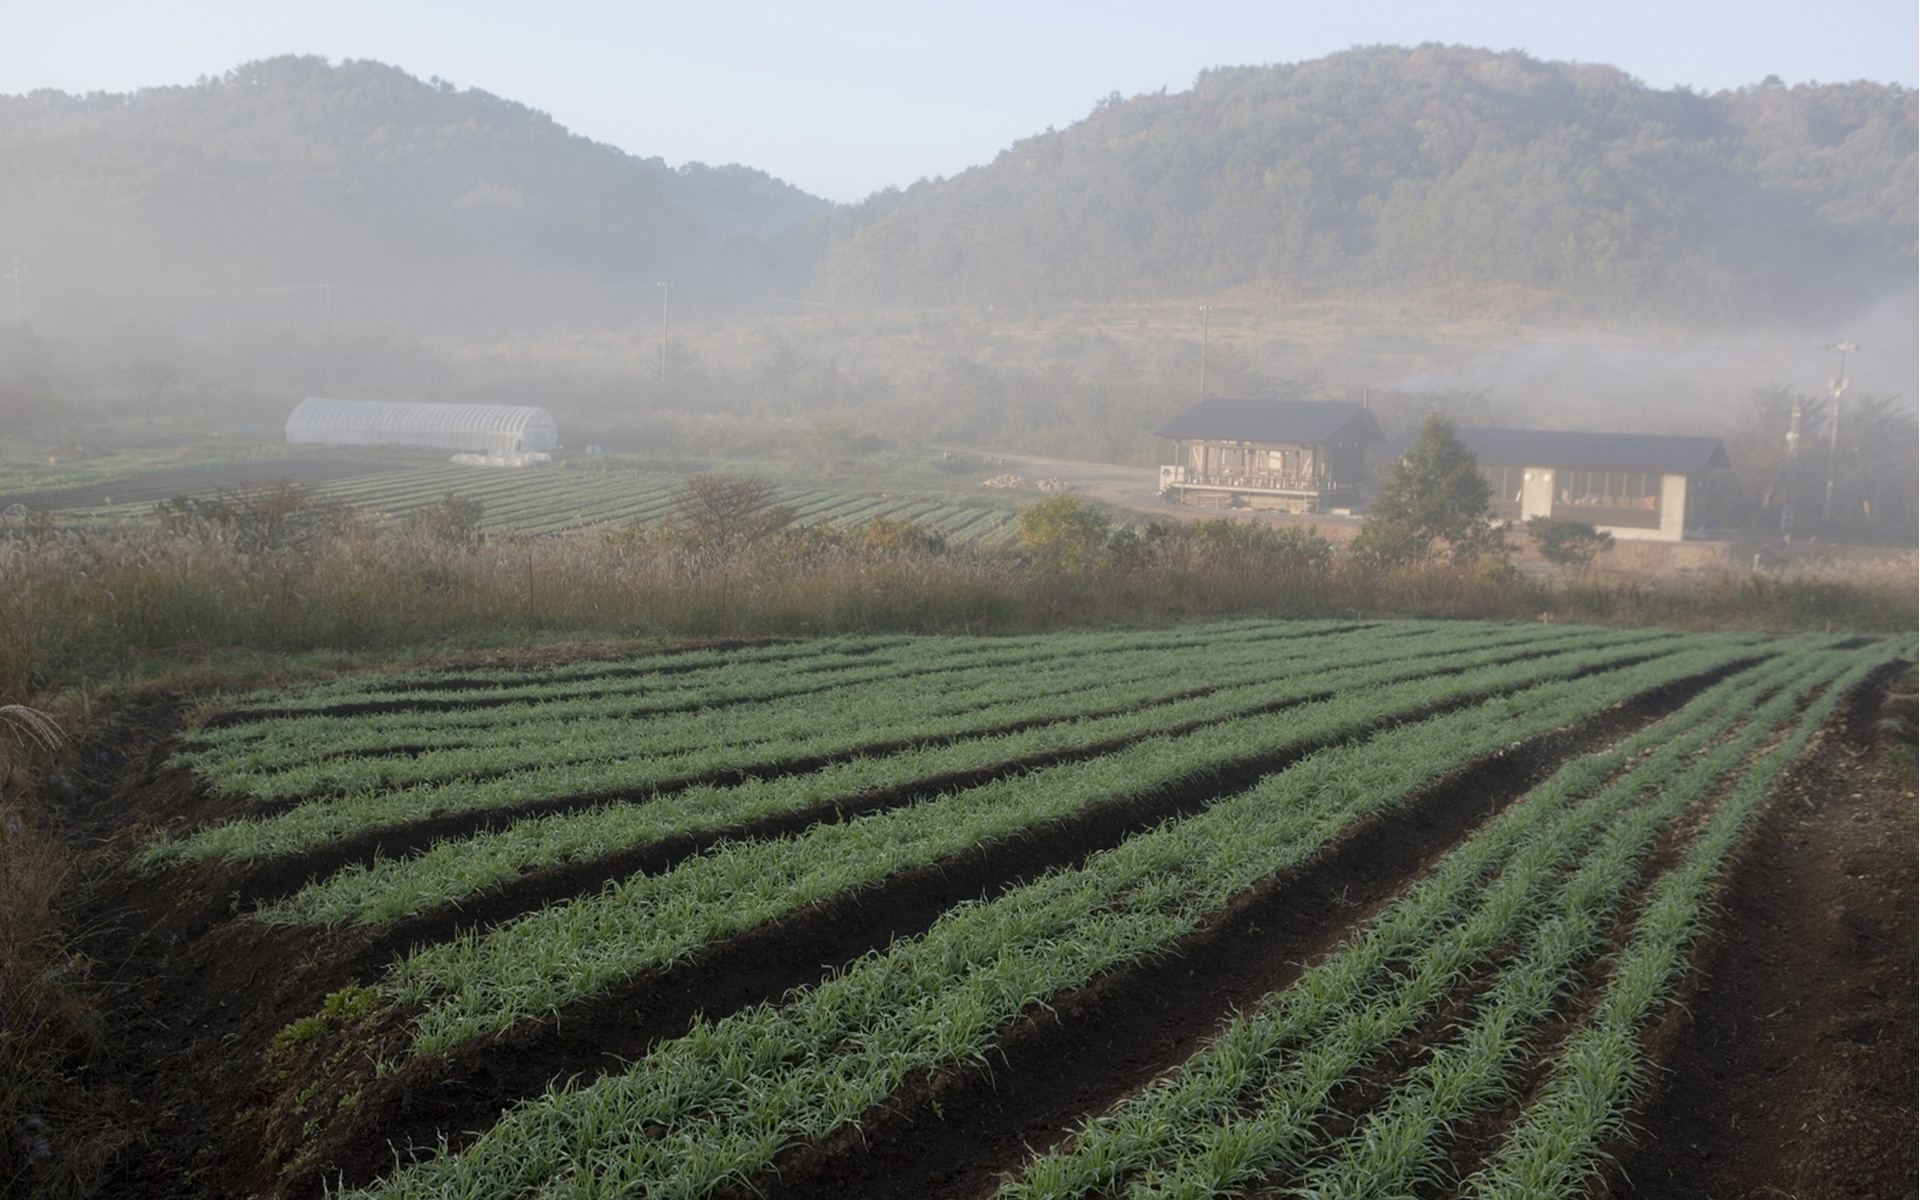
(499, 429)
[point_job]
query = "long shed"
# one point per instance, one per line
(481, 428)
(1633, 485)
(1300, 455)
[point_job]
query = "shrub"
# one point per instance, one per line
(1063, 533)
(1568, 543)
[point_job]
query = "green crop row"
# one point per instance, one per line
(393, 888)
(546, 501)
(484, 982)
(836, 720)
(454, 685)
(1298, 1046)
(705, 678)
(722, 1101)
(1400, 1145)
(848, 703)
(1186, 1135)
(1602, 1066)
(322, 820)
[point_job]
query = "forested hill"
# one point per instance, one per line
(1375, 173)
(294, 170)
(1438, 169)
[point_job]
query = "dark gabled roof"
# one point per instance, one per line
(1666, 454)
(1294, 422)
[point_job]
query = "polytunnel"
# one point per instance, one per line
(486, 428)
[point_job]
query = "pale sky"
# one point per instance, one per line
(845, 98)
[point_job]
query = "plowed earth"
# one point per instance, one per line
(1788, 1069)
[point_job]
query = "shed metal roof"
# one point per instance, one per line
(449, 426)
(1667, 454)
(1293, 422)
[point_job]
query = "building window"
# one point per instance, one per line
(1506, 482)
(1609, 489)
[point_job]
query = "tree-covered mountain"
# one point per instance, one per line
(292, 170)
(1565, 189)
(1438, 169)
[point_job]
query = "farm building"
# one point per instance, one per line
(495, 429)
(1632, 485)
(1300, 455)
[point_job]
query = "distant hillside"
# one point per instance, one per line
(1436, 169)
(293, 170)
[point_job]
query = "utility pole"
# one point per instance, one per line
(1838, 386)
(326, 349)
(664, 288)
(1793, 471)
(1206, 314)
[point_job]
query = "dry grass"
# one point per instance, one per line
(88, 606)
(55, 1140)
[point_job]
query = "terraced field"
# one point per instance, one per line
(1335, 909)
(531, 501)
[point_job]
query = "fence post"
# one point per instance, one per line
(530, 623)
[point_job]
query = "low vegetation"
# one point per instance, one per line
(223, 579)
(1539, 945)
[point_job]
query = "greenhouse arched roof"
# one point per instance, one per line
(500, 428)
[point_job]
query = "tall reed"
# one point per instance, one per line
(74, 604)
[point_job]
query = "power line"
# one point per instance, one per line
(251, 291)
(1206, 318)
(768, 299)
(664, 288)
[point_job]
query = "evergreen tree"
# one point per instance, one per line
(1435, 500)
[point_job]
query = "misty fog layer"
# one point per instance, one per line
(1511, 240)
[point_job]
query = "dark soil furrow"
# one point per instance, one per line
(1473, 1140)
(1787, 1059)
(271, 879)
(459, 683)
(1466, 1142)
(1229, 965)
(1476, 1137)
(283, 875)
(820, 678)
(538, 889)
(828, 667)
(1354, 1099)
(414, 750)
(959, 1132)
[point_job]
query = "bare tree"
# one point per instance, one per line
(724, 514)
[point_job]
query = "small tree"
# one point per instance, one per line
(453, 518)
(887, 536)
(1063, 532)
(1568, 543)
(1258, 546)
(256, 519)
(725, 514)
(1436, 498)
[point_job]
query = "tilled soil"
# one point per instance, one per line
(1788, 1070)
(1789, 1066)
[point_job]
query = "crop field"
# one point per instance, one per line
(1340, 909)
(529, 501)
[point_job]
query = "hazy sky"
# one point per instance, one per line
(845, 98)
